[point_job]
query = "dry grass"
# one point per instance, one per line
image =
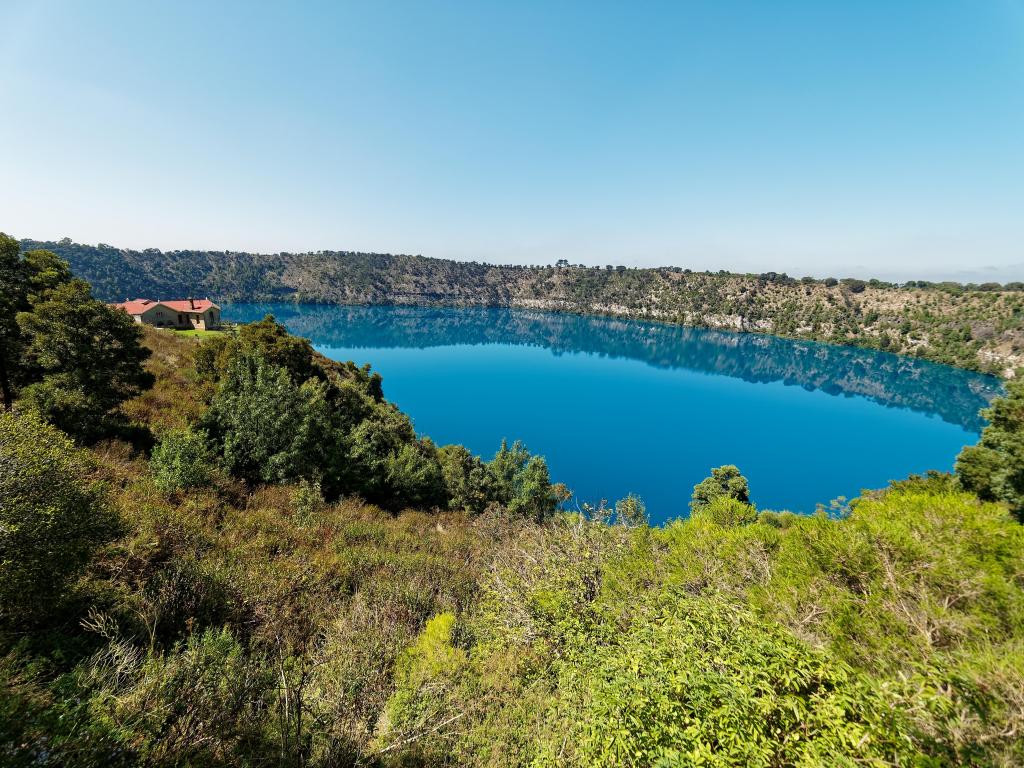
(178, 397)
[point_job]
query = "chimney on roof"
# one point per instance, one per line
(191, 303)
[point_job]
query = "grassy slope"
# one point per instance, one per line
(199, 334)
(983, 330)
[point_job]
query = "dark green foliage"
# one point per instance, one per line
(466, 479)
(265, 426)
(52, 517)
(69, 357)
(45, 271)
(266, 338)
(724, 481)
(414, 477)
(522, 484)
(994, 468)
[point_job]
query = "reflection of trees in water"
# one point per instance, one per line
(952, 394)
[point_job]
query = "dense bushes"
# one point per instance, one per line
(297, 631)
(879, 639)
(702, 682)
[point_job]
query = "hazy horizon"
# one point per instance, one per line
(866, 139)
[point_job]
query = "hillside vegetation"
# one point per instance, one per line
(976, 326)
(248, 558)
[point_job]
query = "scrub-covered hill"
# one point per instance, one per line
(975, 326)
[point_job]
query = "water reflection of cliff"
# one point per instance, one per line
(953, 395)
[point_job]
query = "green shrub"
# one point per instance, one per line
(428, 663)
(700, 682)
(726, 511)
(308, 501)
(521, 482)
(52, 517)
(908, 574)
(201, 703)
(181, 460)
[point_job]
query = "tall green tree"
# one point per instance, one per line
(994, 468)
(24, 279)
(44, 271)
(68, 356)
(82, 359)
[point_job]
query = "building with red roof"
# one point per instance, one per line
(197, 314)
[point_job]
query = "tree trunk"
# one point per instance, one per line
(5, 381)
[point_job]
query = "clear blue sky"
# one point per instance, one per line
(809, 136)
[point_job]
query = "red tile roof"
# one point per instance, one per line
(189, 305)
(138, 306)
(135, 306)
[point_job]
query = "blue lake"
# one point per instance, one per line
(620, 406)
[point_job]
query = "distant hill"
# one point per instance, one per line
(974, 326)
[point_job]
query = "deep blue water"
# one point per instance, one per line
(622, 406)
